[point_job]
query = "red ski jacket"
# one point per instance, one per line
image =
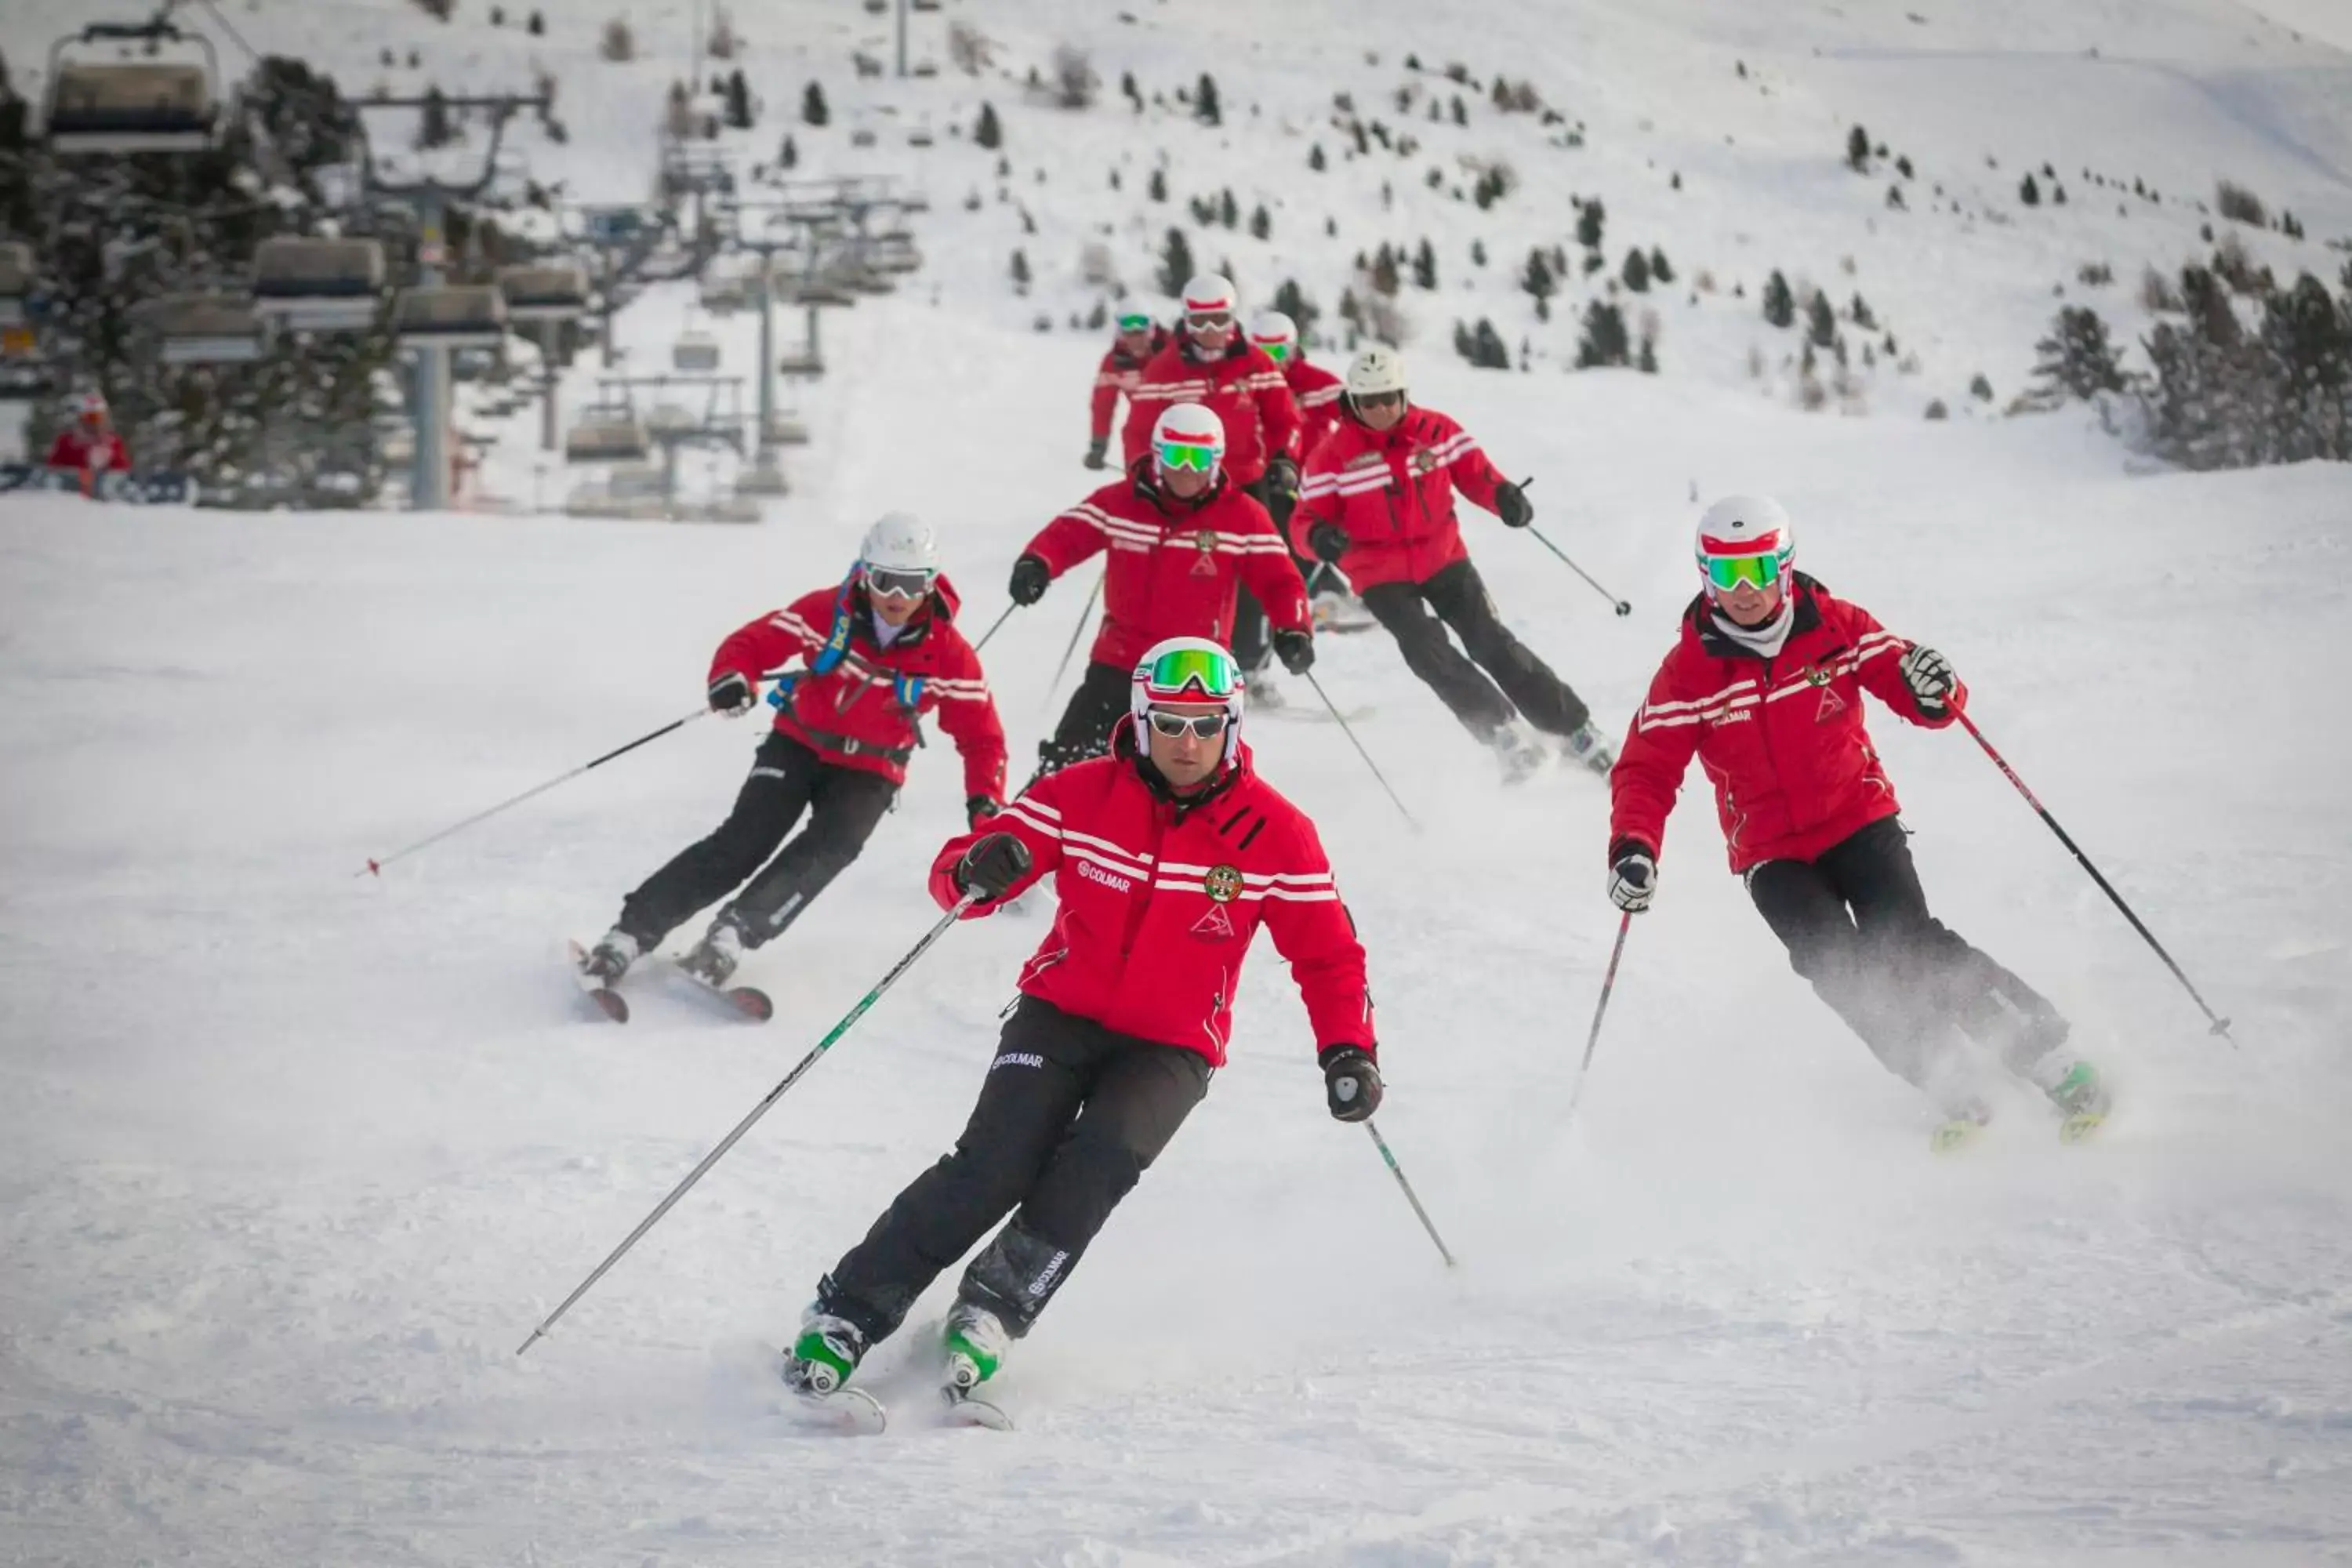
(1317, 392)
(1174, 564)
(73, 449)
(857, 703)
(1781, 738)
(1393, 492)
(1243, 387)
(1118, 376)
(1159, 899)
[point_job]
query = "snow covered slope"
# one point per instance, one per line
(292, 1159)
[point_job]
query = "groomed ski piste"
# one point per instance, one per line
(294, 1156)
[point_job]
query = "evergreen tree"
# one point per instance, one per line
(1175, 263)
(1461, 114)
(1134, 93)
(813, 109)
(2078, 359)
(1779, 305)
(988, 133)
(1261, 222)
(1589, 225)
(1487, 349)
(1204, 101)
(1463, 344)
(739, 101)
(788, 156)
(1861, 315)
(1659, 272)
(1384, 271)
(1021, 272)
(1604, 342)
(2029, 193)
(1981, 389)
(1540, 282)
(1478, 253)
(1314, 159)
(1637, 271)
(434, 128)
(1857, 149)
(1292, 301)
(1646, 362)
(1822, 322)
(536, 26)
(1229, 212)
(1425, 266)
(1157, 188)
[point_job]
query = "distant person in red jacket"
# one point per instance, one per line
(1211, 361)
(1120, 373)
(880, 651)
(89, 445)
(1765, 686)
(1182, 541)
(1379, 504)
(1166, 857)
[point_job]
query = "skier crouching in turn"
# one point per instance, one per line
(1379, 503)
(881, 649)
(1166, 856)
(1765, 685)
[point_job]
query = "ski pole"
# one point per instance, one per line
(2220, 1024)
(1623, 609)
(1395, 1170)
(375, 866)
(993, 626)
(1593, 1039)
(1076, 631)
(1348, 730)
(758, 1110)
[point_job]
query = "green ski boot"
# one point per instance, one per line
(975, 1341)
(825, 1355)
(2083, 1101)
(1960, 1126)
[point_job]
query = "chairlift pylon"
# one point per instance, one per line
(98, 106)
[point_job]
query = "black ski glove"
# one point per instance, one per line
(1030, 576)
(1329, 541)
(1511, 505)
(1295, 649)
(733, 694)
(1351, 1083)
(991, 865)
(1633, 876)
(1281, 491)
(979, 808)
(1095, 449)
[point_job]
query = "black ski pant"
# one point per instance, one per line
(1856, 926)
(787, 779)
(1095, 708)
(1070, 1116)
(1418, 614)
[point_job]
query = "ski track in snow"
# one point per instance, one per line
(292, 1159)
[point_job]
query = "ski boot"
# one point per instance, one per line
(826, 1352)
(1337, 610)
(611, 957)
(1589, 747)
(1963, 1119)
(712, 960)
(2082, 1099)
(975, 1341)
(1263, 691)
(1521, 758)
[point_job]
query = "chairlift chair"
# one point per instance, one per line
(557, 292)
(694, 352)
(308, 284)
(787, 430)
(16, 280)
(150, 105)
(453, 316)
(927, 4)
(204, 329)
(606, 435)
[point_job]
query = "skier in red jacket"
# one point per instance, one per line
(1182, 539)
(1765, 686)
(881, 649)
(1379, 504)
(1166, 856)
(1317, 392)
(1211, 361)
(89, 446)
(1120, 373)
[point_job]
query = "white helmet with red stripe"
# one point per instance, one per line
(1183, 430)
(1746, 527)
(1209, 294)
(1277, 333)
(1186, 670)
(90, 405)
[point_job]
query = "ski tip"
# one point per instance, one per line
(610, 1002)
(961, 1409)
(754, 1003)
(850, 1411)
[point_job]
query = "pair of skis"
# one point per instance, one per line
(743, 1000)
(854, 1413)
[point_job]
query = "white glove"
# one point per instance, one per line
(1634, 882)
(1929, 676)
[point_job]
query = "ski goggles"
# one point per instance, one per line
(1276, 351)
(1201, 726)
(888, 583)
(1726, 573)
(1193, 456)
(1137, 322)
(1211, 321)
(1177, 674)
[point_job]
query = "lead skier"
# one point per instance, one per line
(1765, 688)
(1166, 857)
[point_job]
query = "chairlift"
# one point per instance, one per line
(920, 136)
(787, 430)
(805, 362)
(308, 284)
(16, 280)
(204, 329)
(452, 316)
(148, 105)
(557, 292)
(762, 481)
(927, 5)
(606, 435)
(694, 352)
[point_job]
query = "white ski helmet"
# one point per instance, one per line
(1377, 370)
(1208, 294)
(90, 405)
(1277, 333)
(1184, 427)
(1186, 670)
(1745, 538)
(899, 541)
